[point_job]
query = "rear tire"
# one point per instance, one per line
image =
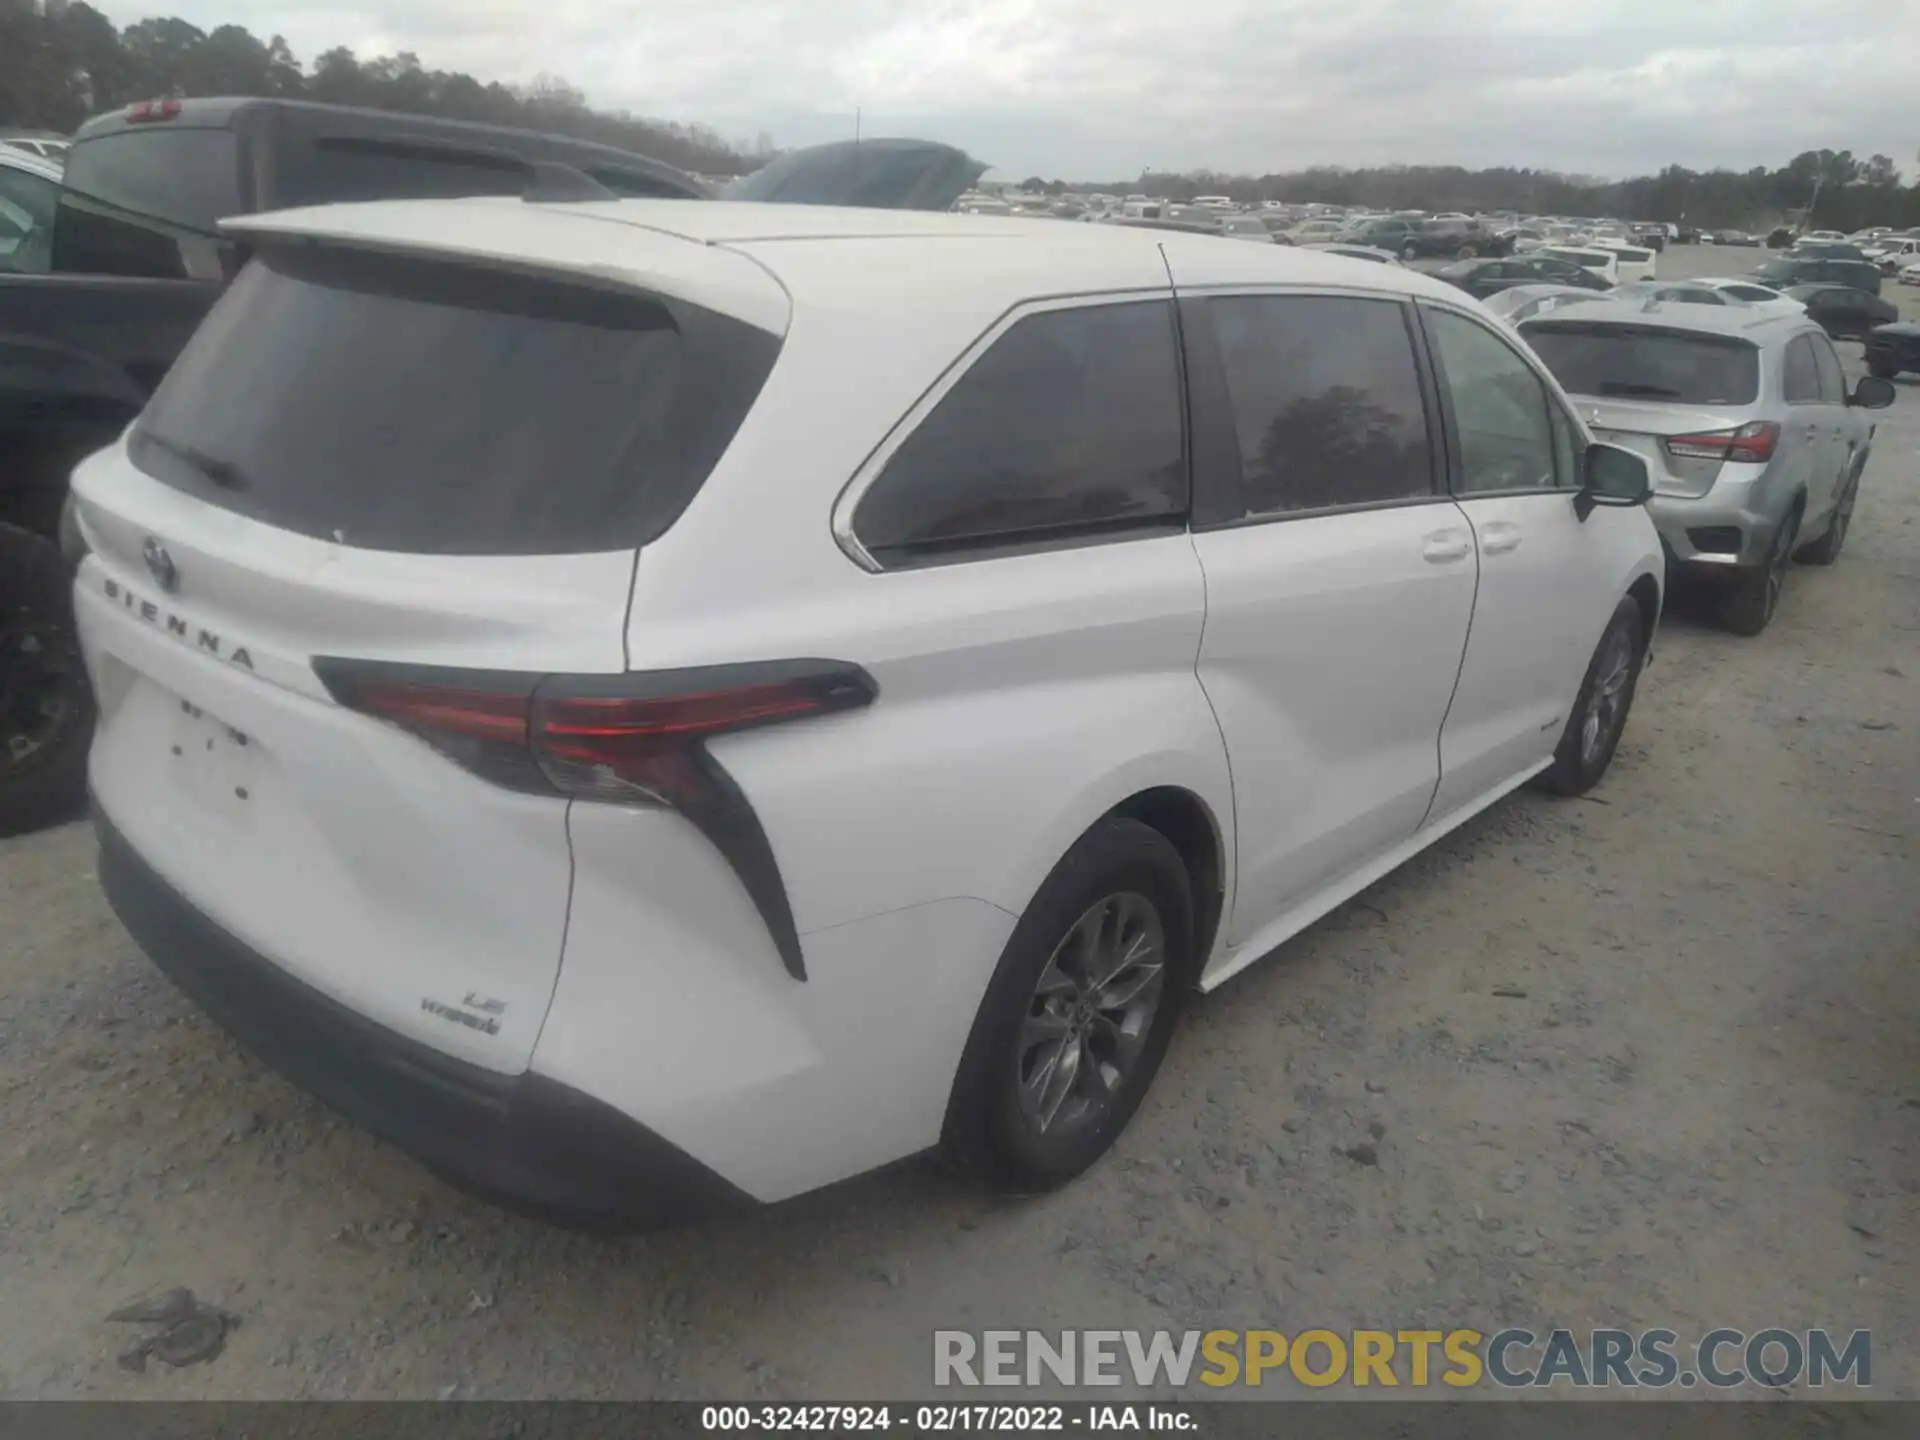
(1054, 1067)
(1826, 549)
(1600, 710)
(1751, 598)
(46, 705)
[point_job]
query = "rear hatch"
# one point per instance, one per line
(1680, 399)
(399, 485)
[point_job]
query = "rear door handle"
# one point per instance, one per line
(1499, 537)
(1446, 546)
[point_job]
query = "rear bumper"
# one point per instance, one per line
(1695, 532)
(520, 1140)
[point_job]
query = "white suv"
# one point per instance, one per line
(655, 705)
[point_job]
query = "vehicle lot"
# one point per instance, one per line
(1694, 1102)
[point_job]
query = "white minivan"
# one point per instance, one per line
(591, 695)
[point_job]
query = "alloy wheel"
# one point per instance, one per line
(1606, 706)
(1090, 1014)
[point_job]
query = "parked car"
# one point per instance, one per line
(1756, 446)
(1279, 227)
(1733, 237)
(1481, 278)
(1751, 292)
(1674, 292)
(1371, 253)
(1392, 234)
(1631, 262)
(1311, 232)
(1893, 252)
(1519, 302)
(1909, 274)
(1551, 269)
(1246, 227)
(1893, 348)
(1651, 234)
(1828, 250)
(1844, 312)
(1820, 236)
(1686, 235)
(1783, 272)
(485, 841)
(1460, 237)
(136, 260)
(1599, 262)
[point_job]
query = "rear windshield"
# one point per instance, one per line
(401, 404)
(1642, 363)
(188, 176)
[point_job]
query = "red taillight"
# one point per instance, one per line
(633, 739)
(609, 746)
(1752, 443)
(147, 111)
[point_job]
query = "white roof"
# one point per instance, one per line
(759, 263)
(17, 159)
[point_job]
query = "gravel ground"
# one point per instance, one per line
(1701, 1105)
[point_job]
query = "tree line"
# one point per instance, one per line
(1851, 193)
(61, 62)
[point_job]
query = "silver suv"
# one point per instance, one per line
(1755, 443)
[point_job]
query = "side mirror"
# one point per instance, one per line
(1870, 392)
(1612, 476)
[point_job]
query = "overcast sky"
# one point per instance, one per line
(1102, 88)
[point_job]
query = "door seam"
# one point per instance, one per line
(1460, 669)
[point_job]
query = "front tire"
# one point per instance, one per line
(1600, 710)
(46, 705)
(1078, 1015)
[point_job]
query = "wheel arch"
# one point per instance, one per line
(1185, 798)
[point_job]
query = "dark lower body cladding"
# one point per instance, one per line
(522, 1141)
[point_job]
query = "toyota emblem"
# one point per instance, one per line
(160, 565)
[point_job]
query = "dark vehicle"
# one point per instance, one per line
(1277, 226)
(1844, 312)
(1394, 234)
(1829, 250)
(1893, 348)
(135, 259)
(1651, 234)
(1482, 278)
(1793, 268)
(1552, 270)
(1689, 235)
(1780, 238)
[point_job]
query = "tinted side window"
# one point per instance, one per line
(1833, 383)
(1326, 401)
(1801, 380)
(1499, 408)
(26, 222)
(1068, 425)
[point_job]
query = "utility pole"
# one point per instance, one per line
(856, 124)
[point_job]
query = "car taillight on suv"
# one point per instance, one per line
(629, 739)
(1752, 443)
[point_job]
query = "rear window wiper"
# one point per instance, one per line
(1645, 392)
(224, 473)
